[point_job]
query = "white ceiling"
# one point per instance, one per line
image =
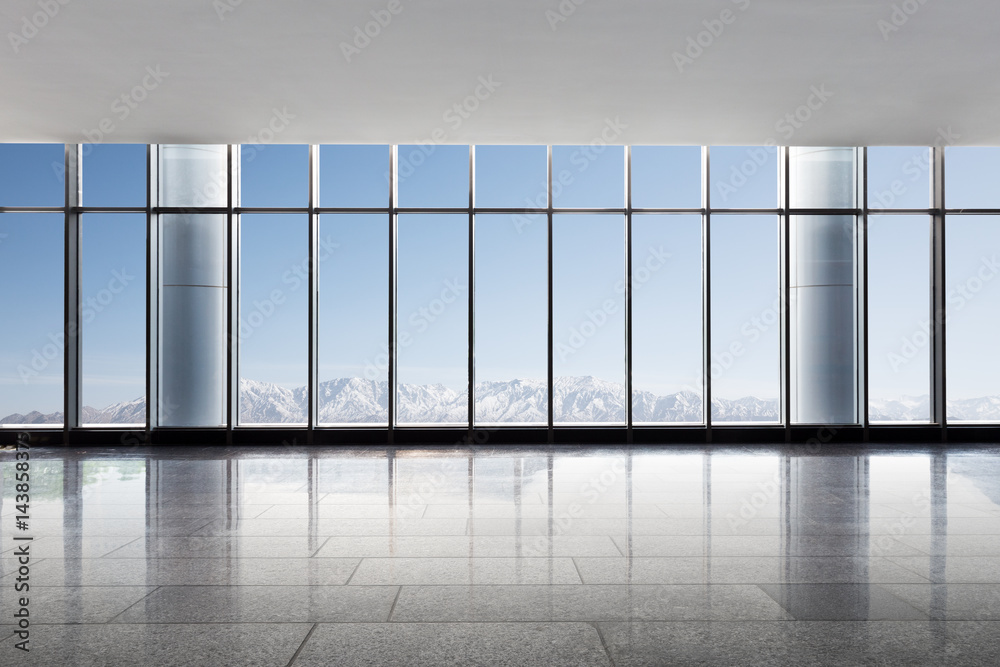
(227, 71)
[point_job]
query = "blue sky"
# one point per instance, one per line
(510, 264)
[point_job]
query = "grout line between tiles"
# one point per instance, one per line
(119, 548)
(295, 656)
(392, 610)
(320, 547)
(111, 620)
(604, 644)
(354, 571)
(614, 542)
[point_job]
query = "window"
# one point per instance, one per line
(432, 319)
(588, 267)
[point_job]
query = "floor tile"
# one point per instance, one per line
(454, 644)
(78, 604)
(195, 571)
(468, 571)
(841, 602)
(583, 603)
(804, 643)
(263, 604)
(179, 645)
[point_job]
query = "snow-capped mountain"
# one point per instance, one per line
(576, 400)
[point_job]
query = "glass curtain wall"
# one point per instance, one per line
(420, 285)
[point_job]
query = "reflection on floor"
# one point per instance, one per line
(500, 556)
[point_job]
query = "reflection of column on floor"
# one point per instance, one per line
(706, 502)
(73, 534)
(312, 498)
(518, 532)
(939, 539)
(628, 520)
(390, 458)
(472, 496)
(830, 495)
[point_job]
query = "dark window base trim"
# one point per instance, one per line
(809, 436)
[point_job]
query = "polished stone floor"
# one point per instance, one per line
(505, 556)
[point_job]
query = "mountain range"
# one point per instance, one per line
(577, 400)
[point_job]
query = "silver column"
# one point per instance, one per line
(192, 270)
(822, 289)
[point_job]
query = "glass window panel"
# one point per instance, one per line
(193, 176)
(746, 319)
(744, 176)
(193, 284)
(823, 337)
(273, 323)
(899, 177)
(666, 319)
(899, 318)
(588, 265)
(31, 298)
(588, 176)
(32, 174)
(352, 176)
(822, 177)
(512, 177)
(432, 319)
(434, 176)
(971, 176)
(274, 175)
(113, 318)
(354, 319)
(972, 288)
(666, 176)
(114, 175)
(511, 319)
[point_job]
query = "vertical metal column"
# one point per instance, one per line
(71, 299)
(312, 391)
(551, 328)
(472, 292)
(391, 371)
(939, 389)
(152, 291)
(706, 285)
(628, 296)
